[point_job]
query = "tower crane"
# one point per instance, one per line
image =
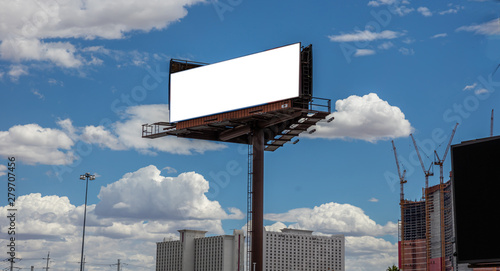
(439, 161)
(491, 124)
(426, 172)
(402, 180)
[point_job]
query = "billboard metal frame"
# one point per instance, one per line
(211, 102)
(265, 127)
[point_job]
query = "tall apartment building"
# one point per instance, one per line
(426, 233)
(195, 252)
(293, 249)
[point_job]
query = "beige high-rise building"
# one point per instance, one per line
(293, 249)
(195, 252)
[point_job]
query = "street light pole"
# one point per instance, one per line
(86, 177)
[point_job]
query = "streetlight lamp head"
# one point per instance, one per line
(88, 176)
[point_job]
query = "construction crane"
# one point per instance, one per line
(426, 172)
(402, 180)
(491, 125)
(439, 162)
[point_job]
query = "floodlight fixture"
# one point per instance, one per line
(312, 131)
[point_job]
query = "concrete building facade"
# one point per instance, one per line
(195, 252)
(297, 250)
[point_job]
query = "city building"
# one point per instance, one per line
(427, 232)
(293, 249)
(413, 245)
(195, 252)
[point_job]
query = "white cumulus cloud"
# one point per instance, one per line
(3, 170)
(477, 90)
(481, 91)
(489, 28)
(403, 10)
(364, 52)
(133, 213)
(366, 253)
(60, 53)
(129, 135)
(399, 7)
(48, 217)
(386, 45)
(28, 28)
(334, 218)
(100, 136)
(170, 170)
(33, 144)
(440, 35)
(53, 223)
(148, 195)
(452, 10)
(276, 227)
(406, 51)
(424, 11)
(365, 36)
(376, 3)
(37, 93)
(367, 118)
(17, 71)
(470, 87)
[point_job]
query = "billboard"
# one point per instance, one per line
(243, 82)
(476, 186)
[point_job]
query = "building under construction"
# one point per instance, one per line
(426, 234)
(426, 230)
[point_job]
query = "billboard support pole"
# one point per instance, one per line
(258, 198)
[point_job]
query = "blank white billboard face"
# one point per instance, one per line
(238, 83)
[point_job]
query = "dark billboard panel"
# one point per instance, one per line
(476, 196)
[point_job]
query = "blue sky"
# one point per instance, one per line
(79, 78)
